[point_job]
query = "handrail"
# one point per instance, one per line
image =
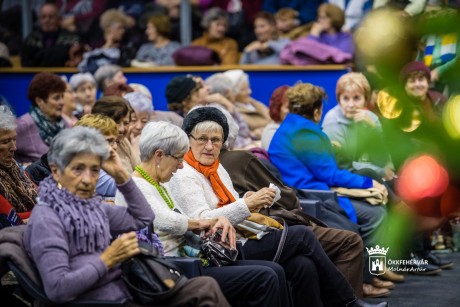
(172, 69)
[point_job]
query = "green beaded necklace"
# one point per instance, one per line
(163, 192)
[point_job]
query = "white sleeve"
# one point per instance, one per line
(166, 220)
(190, 195)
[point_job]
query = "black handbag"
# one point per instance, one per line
(150, 278)
(217, 252)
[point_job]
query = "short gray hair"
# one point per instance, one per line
(78, 79)
(138, 87)
(207, 126)
(139, 102)
(162, 135)
(214, 13)
(104, 73)
(7, 119)
(219, 83)
(75, 141)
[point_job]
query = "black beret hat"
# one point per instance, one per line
(179, 88)
(202, 114)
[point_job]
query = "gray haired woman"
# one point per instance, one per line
(143, 109)
(69, 234)
(16, 190)
(84, 86)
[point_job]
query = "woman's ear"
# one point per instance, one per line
(55, 172)
(39, 102)
(317, 113)
(159, 153)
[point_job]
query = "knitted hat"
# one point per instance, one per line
(179, 88)
(202, 114)
(414, 67)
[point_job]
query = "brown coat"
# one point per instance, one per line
(227, 48)
(249, 174)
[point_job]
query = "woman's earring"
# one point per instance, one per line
(59, 185)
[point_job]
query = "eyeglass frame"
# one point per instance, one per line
(179, 160)
(221, 141)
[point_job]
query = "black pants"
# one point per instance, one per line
(252, 283)
(314, 278)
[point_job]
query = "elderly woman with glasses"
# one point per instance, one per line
(16, 190)
(163, 146)
(69, 232)
(203, 189)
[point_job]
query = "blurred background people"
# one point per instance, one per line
(215, 23)
(50, 45)
(267, 48)
(84, 86)
(158, 51)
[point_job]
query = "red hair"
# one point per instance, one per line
(43, 84)
(276, 101)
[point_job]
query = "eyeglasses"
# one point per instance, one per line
(203, 140)
(179, 160)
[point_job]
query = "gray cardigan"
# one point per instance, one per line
(340, 131)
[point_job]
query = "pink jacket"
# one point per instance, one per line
(306, 51)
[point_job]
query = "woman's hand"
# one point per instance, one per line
(222, 100)
(228, 232)
(114, 168)
(123, 248)
(389, 173)
(380, 187)
(259, 199)
(316, 29)
(255, 45)
(363, 116)
(212, 225)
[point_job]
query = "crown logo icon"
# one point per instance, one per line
(377, 250)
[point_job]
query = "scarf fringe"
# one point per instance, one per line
(83, 219)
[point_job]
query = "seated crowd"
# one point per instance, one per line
(85, 177)
(147, 33)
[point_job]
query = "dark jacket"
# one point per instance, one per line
(39, 170)
(36, 53)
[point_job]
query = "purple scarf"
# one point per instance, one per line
(84, 220)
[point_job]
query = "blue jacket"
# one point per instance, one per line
(304, 156)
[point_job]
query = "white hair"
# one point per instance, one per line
(137, 87)
(75, 141)
(237, 77)
(78, 79)
(7, 119)
(162, 135)
(219, 83)
(139, 102)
